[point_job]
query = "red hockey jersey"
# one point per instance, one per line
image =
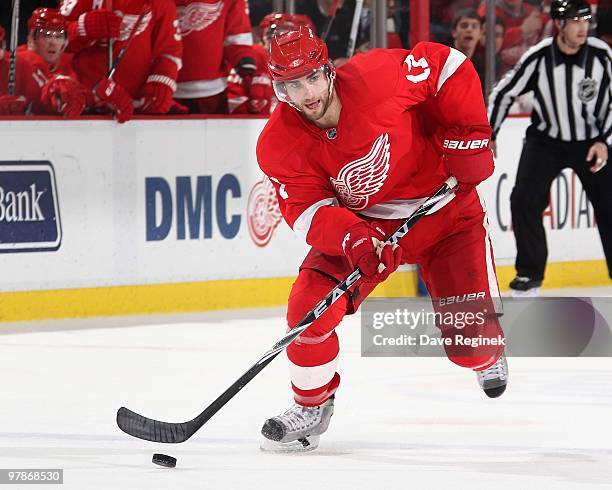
(216, 35)
(25, 84)
(385, 155)
(156, 38)
(40, 68)
(237, 92)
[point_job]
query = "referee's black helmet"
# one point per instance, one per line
(570, 9)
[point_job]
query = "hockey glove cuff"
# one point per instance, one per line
(115, 96)
(12, 105)
(467, 155)
(259, 91)
(246, 66)
(97, 24)
(63, 95)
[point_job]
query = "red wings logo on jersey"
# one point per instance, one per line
(263, 212)
(128, 22)
(362, 178)
(197, 16)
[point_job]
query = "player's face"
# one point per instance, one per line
(310, 94)
(467, 33)
(50, 45)
(575, 32)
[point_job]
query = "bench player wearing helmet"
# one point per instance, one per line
(352, 154)
(61, 92)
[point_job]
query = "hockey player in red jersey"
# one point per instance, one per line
(254, 94)
(26, 89)
(61, 92)
(352, 154)
(146, 75)
(216, 37)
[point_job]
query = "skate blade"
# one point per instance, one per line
(530, 293)
(304, 445)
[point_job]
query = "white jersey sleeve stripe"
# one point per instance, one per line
(244, 38)
(301, 226)
(454, 61)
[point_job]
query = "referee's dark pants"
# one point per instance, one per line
(542, 159)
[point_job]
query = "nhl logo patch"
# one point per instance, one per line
(332, 134)
(587, 89)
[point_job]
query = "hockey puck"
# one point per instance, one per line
(164, 460)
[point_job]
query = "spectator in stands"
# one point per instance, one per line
(395, 24)
(441, 17)
(524, 25)
(26, 89)
(500, 29)
(479, 58)
(146, 75)
(216, 37)
(466, 30)
(339, 33)
(61, 92)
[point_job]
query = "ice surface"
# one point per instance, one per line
(398, 423)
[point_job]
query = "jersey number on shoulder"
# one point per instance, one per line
(420, 63)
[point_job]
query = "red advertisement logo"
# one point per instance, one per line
(263, 212)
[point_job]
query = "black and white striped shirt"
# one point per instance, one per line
(573, 93)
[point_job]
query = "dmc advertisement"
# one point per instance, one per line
(89, 204)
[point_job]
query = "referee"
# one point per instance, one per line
(571, 126)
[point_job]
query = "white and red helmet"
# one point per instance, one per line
(296, 54)
(47, 20)
(278, 23)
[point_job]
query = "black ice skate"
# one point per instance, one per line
(493, 380)
(522, 286)
(298, 429)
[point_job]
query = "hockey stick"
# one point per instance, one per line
(154, 430)
(145, 10)
(110, 41)
(12, 75)
(354, 28)
(330, 19)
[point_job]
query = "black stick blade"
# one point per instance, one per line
(152, 430)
